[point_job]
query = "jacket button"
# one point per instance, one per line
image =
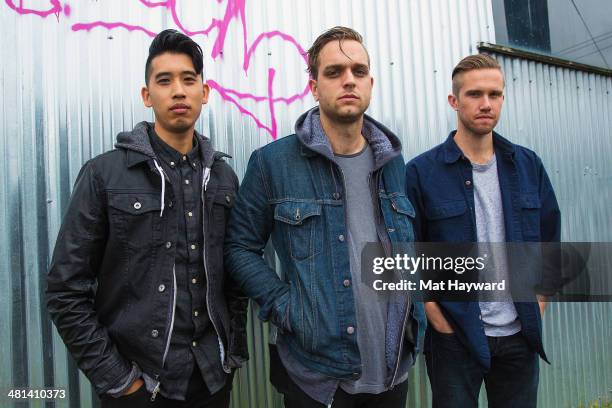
(355, 376)
(161, 287)
(154, 333)
(468, 183)
(341, 238)
(168, 244)
(346, 283)
(350, 330)
(336, 196)
(194, 280)
(194, 343)
(170, 203)
(137, 205)
(172, 164)
(227, 199)
(196, 313)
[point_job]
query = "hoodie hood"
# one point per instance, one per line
(384, 143)
(137, 140)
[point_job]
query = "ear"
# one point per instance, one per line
(453, 102)
(146, 97)
(312, 84)
(206, 93)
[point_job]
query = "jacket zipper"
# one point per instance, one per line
(157, 386)
(226, 369)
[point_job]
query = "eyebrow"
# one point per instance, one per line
(340, 66)
(164, 74)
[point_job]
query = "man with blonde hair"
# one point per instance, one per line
(479, 187)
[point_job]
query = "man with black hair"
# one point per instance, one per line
(136, 286)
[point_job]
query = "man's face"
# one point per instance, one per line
(480, 100)
(175, 92)
(343, 87)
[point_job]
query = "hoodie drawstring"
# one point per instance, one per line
(163, 182)
(205, 178)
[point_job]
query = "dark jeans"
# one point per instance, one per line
(197, 397)
(456, 377)
(294, 397)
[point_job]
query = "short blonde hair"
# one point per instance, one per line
(470, 63)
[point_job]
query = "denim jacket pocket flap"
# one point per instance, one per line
(296, 212)
(134, 203)
(446, 210)
(224, 198)
(530, 200)
(403, 206)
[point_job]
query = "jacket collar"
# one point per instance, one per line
(452, 152)
(384, 143)
(138, 146)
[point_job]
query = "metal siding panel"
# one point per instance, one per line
(66, 94)
(564, 115)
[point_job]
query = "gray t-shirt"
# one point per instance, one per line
(370, 305)
(499, 318)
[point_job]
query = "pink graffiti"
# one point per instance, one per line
(234, 10)
(55, 8)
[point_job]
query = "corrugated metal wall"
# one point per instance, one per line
(70, 79)
(566, 117)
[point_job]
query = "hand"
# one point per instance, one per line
(437, 319)
(134, 387)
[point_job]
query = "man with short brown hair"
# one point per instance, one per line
(341, 185)
(479, 187)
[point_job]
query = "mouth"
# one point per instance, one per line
(348, 97)
(179, 108)
(487, 117)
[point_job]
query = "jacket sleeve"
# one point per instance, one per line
(550, 217)
(237, 303)
(250, 226)
(413, 192)
(71, 285)
(550, 232)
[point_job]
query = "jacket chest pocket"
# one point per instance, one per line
(301, 222)
(530, 216)
(448, 221)
(402, 218)
(135, 218)
(222, 204)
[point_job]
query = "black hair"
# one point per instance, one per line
(174, 42)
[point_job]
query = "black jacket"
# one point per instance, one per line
(110, 284)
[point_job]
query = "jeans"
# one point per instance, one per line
(197, 396)
(294, 397)
(456, 376)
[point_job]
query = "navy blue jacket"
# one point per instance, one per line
(440, 186)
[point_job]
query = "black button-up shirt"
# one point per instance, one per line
(193, 336)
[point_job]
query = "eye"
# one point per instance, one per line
(361, 72)
(163, 81)
(190, 80)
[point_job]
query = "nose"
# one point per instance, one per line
(178, 90)
(348, 79)
(485, 104)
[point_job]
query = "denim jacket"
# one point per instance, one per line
(440, 186)
(293, 192)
